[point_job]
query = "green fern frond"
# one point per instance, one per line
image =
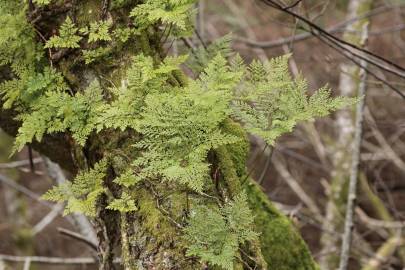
(28, 86)
(214, 234)
(124, 204)
(58, 112)
(270, 102)
(67, 38)
(142, 78)
(127, 179)
(100, 31)
(83, 192)
(18, 45)
(42, 2)
(170, 12)
(91, 56)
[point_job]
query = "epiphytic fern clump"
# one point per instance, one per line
(177, 121)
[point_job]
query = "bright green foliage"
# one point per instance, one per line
(142, 78)
(93, 55)
(214, 234)
(42, 2)
(58, 111)
(100, 31)
(81, 194)
(180, 128)
(123, 34)
(127, 179)
(67, 38)
(28, 86)
(176, 121)
(124, 204)
(17, 44)
(175, 13)
(271, 103)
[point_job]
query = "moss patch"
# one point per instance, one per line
(281, 245)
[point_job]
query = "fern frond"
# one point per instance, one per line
(270, 102)
(82, 194)
(99, 31)
(42, 2)
(127, 179)
(173, 13)
(124, 204)
(67, 38)
(214, 234)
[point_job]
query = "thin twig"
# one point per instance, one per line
(55, 212)
(354, 171)
(4, 179)
(19, 163)
(51, 260)
(324, 36)
(304, 36)
(372, 222)
(79, 237)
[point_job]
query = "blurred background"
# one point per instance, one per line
(306, 174)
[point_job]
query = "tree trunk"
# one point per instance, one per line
(151, 238)
(349, 84)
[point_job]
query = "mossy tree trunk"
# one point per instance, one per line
(152, 236)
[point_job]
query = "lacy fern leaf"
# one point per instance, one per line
(214, 235)
(175, 13)
(81, 195)
(201, 57)
(67, 38)
(270, 103)
(180, 128)
(58, 112)
(100, 31)
(42, 2)
(124, 204)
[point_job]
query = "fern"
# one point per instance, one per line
(42, 2)
(123, 34)
(99, 31)
(17, 36)
(214, 235)
(142, 78)
(82, 194)
(128, 179)
(179, 129)
(124, 204)
(91, 56)
(57, 112)
(175, 13)
(67, 38)
(270, 103)
(28, 86)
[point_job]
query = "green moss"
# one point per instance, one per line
(238, 151)
(88, 11)
(153, 219)
(281, 245)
